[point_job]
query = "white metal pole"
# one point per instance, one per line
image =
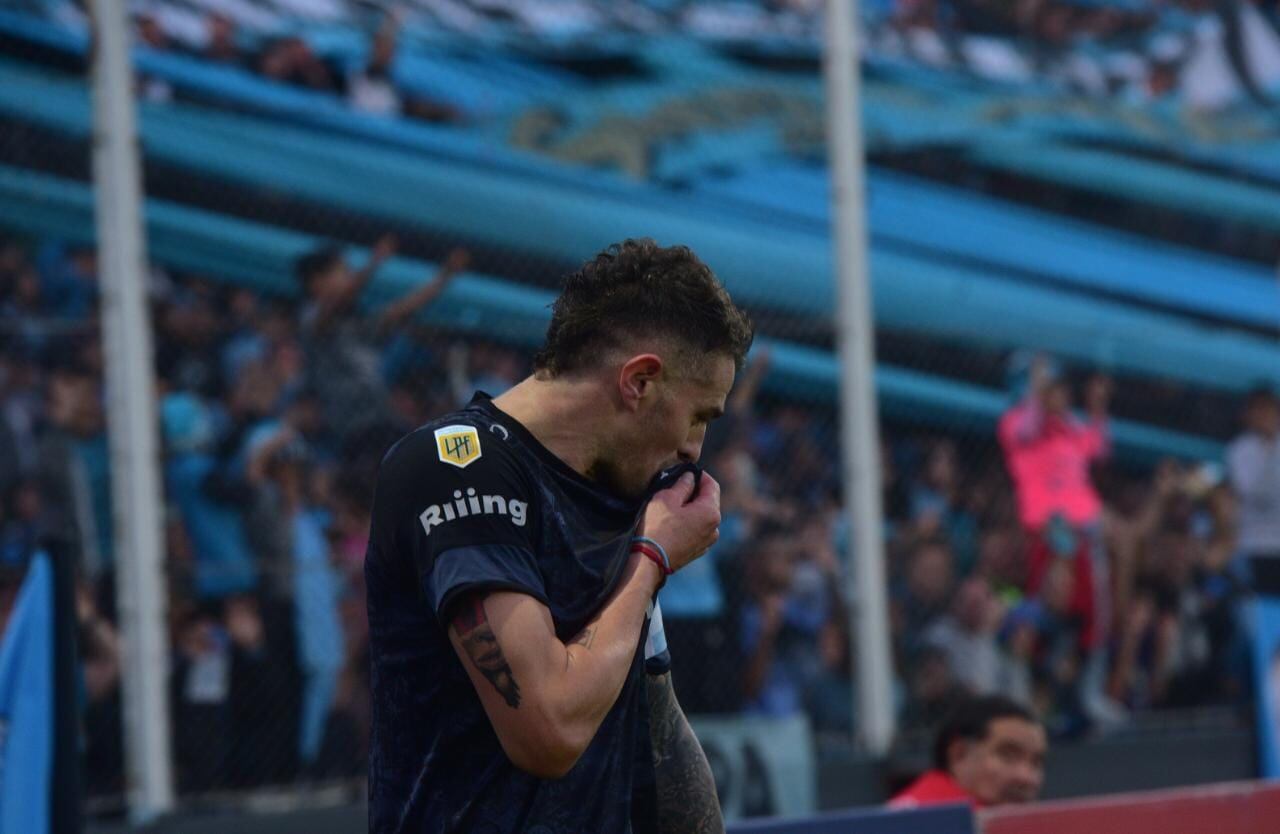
(131, 414)
(859, 429)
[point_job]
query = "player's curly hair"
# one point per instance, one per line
(638, 288)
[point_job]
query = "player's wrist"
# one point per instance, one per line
(651, 551)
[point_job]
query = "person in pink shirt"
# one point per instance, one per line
(1049, 450)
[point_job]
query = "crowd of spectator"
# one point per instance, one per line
(367, 84)
(1023, 561)
(1209, 56)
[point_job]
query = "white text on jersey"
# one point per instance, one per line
(472, 504)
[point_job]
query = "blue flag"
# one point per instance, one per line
(27, 705)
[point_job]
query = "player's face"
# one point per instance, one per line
(673, 427)
(1005, 767)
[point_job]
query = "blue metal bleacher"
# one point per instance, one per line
(765, 265)
(262, 257)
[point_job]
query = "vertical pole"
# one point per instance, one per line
(131, 414)
(859, 429)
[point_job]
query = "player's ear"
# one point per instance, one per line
(956, 751)
(637, 379)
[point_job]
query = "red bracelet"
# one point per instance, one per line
(652, 555)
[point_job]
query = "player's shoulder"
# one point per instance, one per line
(470, 440)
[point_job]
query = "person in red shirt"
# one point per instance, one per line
(989, 751)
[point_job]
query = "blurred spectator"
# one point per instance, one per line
(1002, 560)
(1178, 646)
(371, 89)
(482, 367)
(151, 35)
(935, 504)
(342, 356)
(74, 475)
(967, 635)
(1044, 631)
(68, 279)
(1049, 451)
(289, 60)
(278, 466)
(201, 697)
(21, 406)
(1253, 465)
(22, 306)
(20, 516)
(931, 689)
(924, 594)
(190, 327)
(222, 46)
(224, 563)
(783, 613)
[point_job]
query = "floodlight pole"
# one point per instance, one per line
(131, 416)
(859, 429)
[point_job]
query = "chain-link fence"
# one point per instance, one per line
(356, 217)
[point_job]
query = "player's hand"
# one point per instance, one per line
(684, 524)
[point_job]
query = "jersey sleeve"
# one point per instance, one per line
(474, 521)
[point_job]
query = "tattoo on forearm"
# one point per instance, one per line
(481, 644)
(687, 802)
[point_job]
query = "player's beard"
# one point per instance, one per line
(614, 478)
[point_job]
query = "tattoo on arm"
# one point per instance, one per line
(687, 799)
(481, 645)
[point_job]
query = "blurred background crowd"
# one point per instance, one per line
(1023, 562)
(1210, 55)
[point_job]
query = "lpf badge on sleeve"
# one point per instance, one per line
(458, 445)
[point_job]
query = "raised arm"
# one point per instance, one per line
(687, 801)
(395, 313)
(546, 698)
(339, 303)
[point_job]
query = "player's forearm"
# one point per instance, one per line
(598, 659)
(687, 800)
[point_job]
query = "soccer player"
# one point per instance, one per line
(520, 682)
(989, 751)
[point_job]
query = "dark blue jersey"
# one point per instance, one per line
(472, 502)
